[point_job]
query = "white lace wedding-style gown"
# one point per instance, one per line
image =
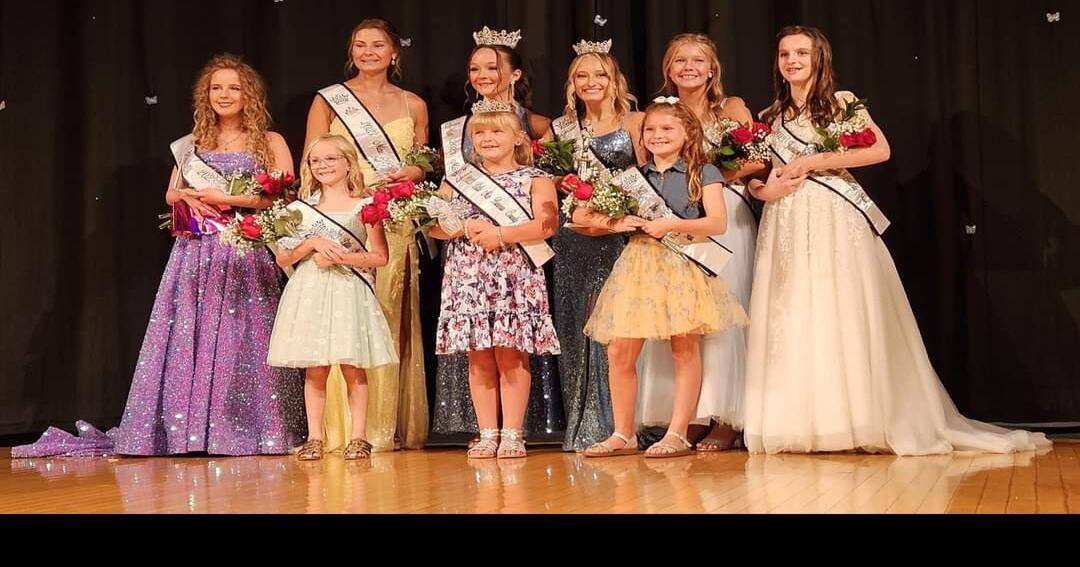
(836, 361)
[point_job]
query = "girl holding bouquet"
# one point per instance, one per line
(656, 293)
(836, 361)
(201, 382)
(329, 314)
(394, 125)
(693, 73)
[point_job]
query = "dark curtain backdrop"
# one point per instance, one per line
(977, 98)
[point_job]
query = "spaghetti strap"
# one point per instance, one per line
(405, 101)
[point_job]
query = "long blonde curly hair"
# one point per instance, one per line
(714, 88)
(256, 117)
(618, 91)
(310, 186)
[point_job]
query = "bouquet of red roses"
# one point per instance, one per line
(732, 145)
(555, 157)
(848, 132)
(401, 202)
(246, 232)
(599, 193)
(273, 184)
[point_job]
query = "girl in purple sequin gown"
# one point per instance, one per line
(201, 382)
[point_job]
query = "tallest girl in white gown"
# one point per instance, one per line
(836, 361)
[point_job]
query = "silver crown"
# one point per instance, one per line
(488, 36)
(582, 47)
(488, 105)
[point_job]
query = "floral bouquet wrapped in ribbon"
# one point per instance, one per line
(732, 145)
(274, 184)
(245, 232)
(848, 132)
(418, 204)
(601, 193)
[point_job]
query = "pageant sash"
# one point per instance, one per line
(484, 193)
(370, 139)
(739, 189)
(568, 128)
(368, 134)
(353, 242)
(787, 146)
(707, 253)
(198, 175)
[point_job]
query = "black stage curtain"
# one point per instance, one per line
(977, 98)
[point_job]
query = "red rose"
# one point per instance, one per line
(583, 191)
(371, 214)
(288, 180)
(250, 229)
(867, 138)
(402, 190)
(269, 184)
(761, 129)
(382, 197)
(849, 140)
(572, 180)
(742, 135)
(272, 189)
(537, 148)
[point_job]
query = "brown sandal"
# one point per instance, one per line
(310, 451)
(357, 449)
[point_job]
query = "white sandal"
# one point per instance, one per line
(602, 449)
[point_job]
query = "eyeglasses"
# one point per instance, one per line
(328, 160)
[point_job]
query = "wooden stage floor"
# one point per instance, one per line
(548, 481)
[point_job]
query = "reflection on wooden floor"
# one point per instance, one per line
(443, 481)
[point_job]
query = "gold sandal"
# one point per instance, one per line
(310, 451)
(357, 449)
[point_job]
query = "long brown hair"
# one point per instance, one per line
(821, 102)
(693, 150)
(391, 34)
(256, 118)
(523, 86)
(714, 88)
